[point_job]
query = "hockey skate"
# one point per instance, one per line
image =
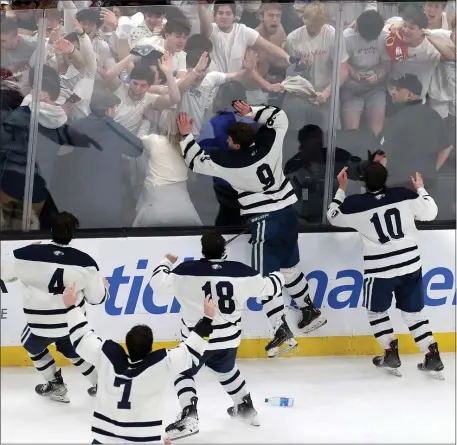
(186, 424)
(390, 361)
(244, 411)
(55, 389)
(92, 391)
(312, 317)
(432, 363)
(283, 340)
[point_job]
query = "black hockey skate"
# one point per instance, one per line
(312, 317)
(283, 340)
(390, 361)
(55, 389)
(186, 423)
(432, 363)
(244, 411)
(92, 391)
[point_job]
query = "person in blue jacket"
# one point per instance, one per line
(213, 136)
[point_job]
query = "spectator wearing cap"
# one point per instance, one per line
(414, 138)
(409, 52)
(96, 197)
(91, 21)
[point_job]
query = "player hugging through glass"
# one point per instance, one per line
(385, 219)
(43, 271)
(231, 284)
(253, 168)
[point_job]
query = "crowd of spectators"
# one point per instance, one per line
(114, 76)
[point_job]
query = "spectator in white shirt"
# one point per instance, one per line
(231, 40)
(409, 52)
(173, 41)
(91, 22)
(314, 43)
(364, 89)
(152, 25)
(165, 201)
(199, 87)
(437, 17)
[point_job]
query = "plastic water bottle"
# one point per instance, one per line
(280, 401)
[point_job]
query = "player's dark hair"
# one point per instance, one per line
(200, 42)
(219, 3)
(415, 16)
(91, 15)
(50, 83)
(375, 176)
(139, 342)
(370, 24)
(142, 72)
(213, 246)
(242, 134)
(63, 228)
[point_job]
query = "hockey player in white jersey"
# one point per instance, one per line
(129, 405)
(231, 284)
(385, 219)
(253, 167)
(43, 271)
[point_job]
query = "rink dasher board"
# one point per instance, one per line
(332, 263)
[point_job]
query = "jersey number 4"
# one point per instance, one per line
(56, 286)
(224, 291)
(391, 218)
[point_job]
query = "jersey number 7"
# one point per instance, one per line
(224, 291)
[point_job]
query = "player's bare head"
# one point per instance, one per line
(139, 342)
(375, 177)
(64, 228)
(240, 136)
(213, 246)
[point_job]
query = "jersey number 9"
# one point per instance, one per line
(224, 291)
(266, 176)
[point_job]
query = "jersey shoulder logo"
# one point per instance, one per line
(58, 253)
(216, 266)
(379, 197)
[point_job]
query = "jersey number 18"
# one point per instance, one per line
(224, 291)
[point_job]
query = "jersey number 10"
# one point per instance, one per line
(391, 217)
(224, 291)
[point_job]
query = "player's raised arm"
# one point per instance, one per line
(85, 341)
(272, 117)
(424, 206)
(194, 156)
(189, 352)
(334, 215)
(161, 280)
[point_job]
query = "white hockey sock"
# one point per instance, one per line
(274, 309)
(86, 369)
(420, 330)
(185, 390)
(382, 328)
(296, 285)
(44, 364)
(233, 383)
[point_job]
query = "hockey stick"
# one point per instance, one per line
(246, 230)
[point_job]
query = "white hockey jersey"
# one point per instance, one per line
(44, 270)
(129, 406)
(256, 174)
(385, 222)
(231, 282)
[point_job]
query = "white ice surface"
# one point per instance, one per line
(337, 400)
